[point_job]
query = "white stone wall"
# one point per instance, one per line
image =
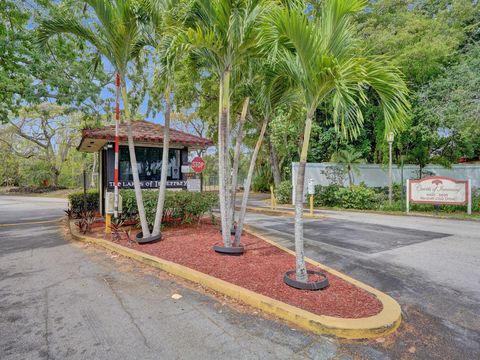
(376, 175)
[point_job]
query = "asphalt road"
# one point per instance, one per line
(65, 300)
(431, 266)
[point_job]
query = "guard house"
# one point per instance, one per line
(148, 139)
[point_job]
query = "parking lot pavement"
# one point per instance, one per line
(431, 266)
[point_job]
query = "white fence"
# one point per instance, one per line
(376, 175)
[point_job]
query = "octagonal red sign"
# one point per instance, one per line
(198, 164)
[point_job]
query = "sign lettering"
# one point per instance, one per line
(149, 184)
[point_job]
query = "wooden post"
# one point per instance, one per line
(272, 198)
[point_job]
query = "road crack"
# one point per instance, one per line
(130, 316)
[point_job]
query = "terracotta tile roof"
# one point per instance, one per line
(145, 132)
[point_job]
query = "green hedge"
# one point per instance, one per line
(283, 193)
(363, 197)
(356, 197)
(180, 206)
(76, 201)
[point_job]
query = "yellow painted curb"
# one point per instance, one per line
(268, 211)
(378, 325)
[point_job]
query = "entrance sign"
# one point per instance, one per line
(150, 184)
(439, 190)
(198, 164)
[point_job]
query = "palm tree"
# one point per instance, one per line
(221, 34)
(275, 90)
(348, 158)
(236, 155)
(321, 54)
(160, 13)
(117, 34)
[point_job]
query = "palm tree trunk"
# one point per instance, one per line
(301, 271)
(163, 177)
(133, 164)
(350, 179)
(277, 178)
(246, 191)
(236, 156)
(224, 194)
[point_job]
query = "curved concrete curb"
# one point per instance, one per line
(378, 325)
(267, 211)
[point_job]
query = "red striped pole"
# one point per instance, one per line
(117, 121)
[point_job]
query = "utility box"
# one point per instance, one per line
(311, 187)
(110, 203)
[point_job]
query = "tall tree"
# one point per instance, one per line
(274, 90)
(221, 34)
(116, 32)
(348, 158)
(322, 55)
(63, 75)
(43, 133)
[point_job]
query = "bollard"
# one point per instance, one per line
(108, 222)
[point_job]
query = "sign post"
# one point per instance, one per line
(195, 184)
(408, 196)
(469, 195)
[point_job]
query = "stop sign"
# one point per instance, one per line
(198, 164)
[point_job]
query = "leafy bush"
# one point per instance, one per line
(356, 197)
(326, 195)
(262, 179)
(362, 197)
(180, 206)
(284, 192)
(396, 191)
(76, 201)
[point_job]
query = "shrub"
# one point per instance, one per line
(326, 195)
(76, 201)
(262, 179)
(180, 206)
(396, 191)
(36, 189)
(284, 192)
(356, 197)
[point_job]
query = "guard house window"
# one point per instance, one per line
(149, 161)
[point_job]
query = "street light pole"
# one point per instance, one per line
(390, 138)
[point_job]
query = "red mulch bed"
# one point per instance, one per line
(260, 269)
